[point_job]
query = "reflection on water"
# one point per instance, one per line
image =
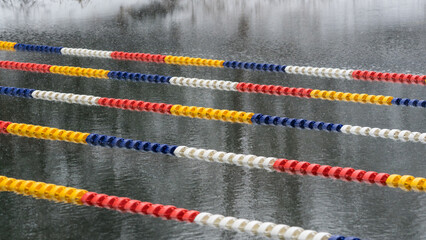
(376, 35)
(150, 10)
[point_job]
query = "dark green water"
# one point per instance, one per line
(371, 35)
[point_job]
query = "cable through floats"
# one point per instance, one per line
(347, 174)
(215, 84)
(213, 114)
(76, 196)
(181, 60)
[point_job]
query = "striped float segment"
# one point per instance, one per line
(71, 195)
(7, 46)
(213, 114)
(43, 190)
(405, 182)
(183, 60)
(216, 84)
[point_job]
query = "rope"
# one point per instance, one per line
(181, 60)
(215, 84)
(70, 195)
(347, 174)
(214, 114)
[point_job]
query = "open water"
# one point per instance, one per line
(383, 35)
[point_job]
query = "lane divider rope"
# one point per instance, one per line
(347, 174)
(215, 84)
(181, 60)
(213, 114)
(76, 196)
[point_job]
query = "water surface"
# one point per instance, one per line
(371, 35)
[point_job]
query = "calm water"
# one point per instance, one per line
(373, 35)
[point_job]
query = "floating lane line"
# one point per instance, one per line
(215, 84)
(347, 174)
(182, 60)
(213, 114)
(76, 196)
